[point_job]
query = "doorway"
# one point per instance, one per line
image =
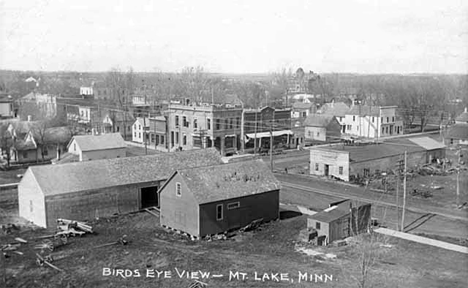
(327, 169)
(149, 197)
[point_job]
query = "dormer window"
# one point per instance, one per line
(178, 189)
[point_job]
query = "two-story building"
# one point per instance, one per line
(201, 125)
(140, 130)
(258, 123)
(158, 133)
(336, 109)
(372, 121)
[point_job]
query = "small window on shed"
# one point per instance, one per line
(316, 166)
(233, 205)
(178, 189)
(317, 225)
(340, 170)
(219, 212)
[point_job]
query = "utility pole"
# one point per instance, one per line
(255, 137)
(404, 199)
(458, 177)
(271, 146)
(397, 192)
(144, 134)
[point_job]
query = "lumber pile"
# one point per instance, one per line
(73, 228)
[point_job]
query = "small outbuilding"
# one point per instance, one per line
(101, 188)
(210, 200)
(339, 221)
(93, 147)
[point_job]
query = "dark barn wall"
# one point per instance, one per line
(179, 212)
(88, 205)
(339, 229)
(253, 207)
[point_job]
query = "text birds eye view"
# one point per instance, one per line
(234, 144)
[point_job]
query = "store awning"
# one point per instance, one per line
(267, 134)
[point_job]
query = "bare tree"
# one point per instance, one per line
(6, 141)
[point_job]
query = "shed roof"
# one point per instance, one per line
(228, 181)
(458, 131)
(99, 142)
(330, 215)
(427, 143)
(98, 174)
(318, 120)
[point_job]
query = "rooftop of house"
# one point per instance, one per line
(228, 181)
(158, 118)
(145, 122)
(318, 120)
(66, 158)
(99, 142)
(336, 109)
(463, 117)
(393, 147)
(98, 174)
(366, 110)
(458, 131)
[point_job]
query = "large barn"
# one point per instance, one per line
(214, 199)
(86, 190)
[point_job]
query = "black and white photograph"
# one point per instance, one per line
(235, 143)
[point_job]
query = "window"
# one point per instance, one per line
(230, 123)
(195, 124)
(139, 127)
(118, 128)
(388, 119)
(373, 118)
(177, 137)
(354, 118)
(218, 124)
(316, 166)
(386, 129)
(318, 134)
(178, 189)
(451, 140)
(45, 151)
(340, 170)
(233, 205)
(134, 134)
(184, 140)
(226, 123)
(208, 123)
(184, 121)
(393, 118)
(317, 225)
(238, 122)
(219, 212)
(139, 135)
(383, 129)
(162, 139)
(349, 127)
(177, 121)
(128, 128)
(381, 119)
(25, 154)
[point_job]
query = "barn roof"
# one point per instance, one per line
(331, 214)
(99, 142)
(227, 181)
(97, 174)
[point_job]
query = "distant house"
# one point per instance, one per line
(94, 147)
(117, 121)
(337, 109)
(462, 118)
(6, 108)
(139, 128)
(39, 144)
(322, 128)
(302, 109)
(457, 134)
(351, 162)
(339, 221)
(101, 188)
(209, 200)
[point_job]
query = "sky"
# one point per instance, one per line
(225, 36)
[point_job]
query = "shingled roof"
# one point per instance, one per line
(336, 109)
(227, 181)
(98, 174)
(99, 142)
(318, 120)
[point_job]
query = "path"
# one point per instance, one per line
(423, 240)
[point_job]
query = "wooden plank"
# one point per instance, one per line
(152, 213)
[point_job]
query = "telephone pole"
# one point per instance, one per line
(404, 199)
(271, 146)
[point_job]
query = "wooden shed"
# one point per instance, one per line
(339, 221)
(86, 190)
(215, 199)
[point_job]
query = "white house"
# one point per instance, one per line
(372, 121)
(93, 147)
(139, 127)
(337, 109)
(86, 91)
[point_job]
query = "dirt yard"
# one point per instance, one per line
(262, 254)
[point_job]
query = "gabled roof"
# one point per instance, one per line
(427, 143)
(98, 174)
(227, 181)
(364, 110)
(99, 142)
(302, 105)
(318, 120)
(458, 131)
(331, 214)
(145, 122)
(335, 109)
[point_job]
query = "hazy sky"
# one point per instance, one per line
(388, 36)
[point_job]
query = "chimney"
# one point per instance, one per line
(29, 118)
